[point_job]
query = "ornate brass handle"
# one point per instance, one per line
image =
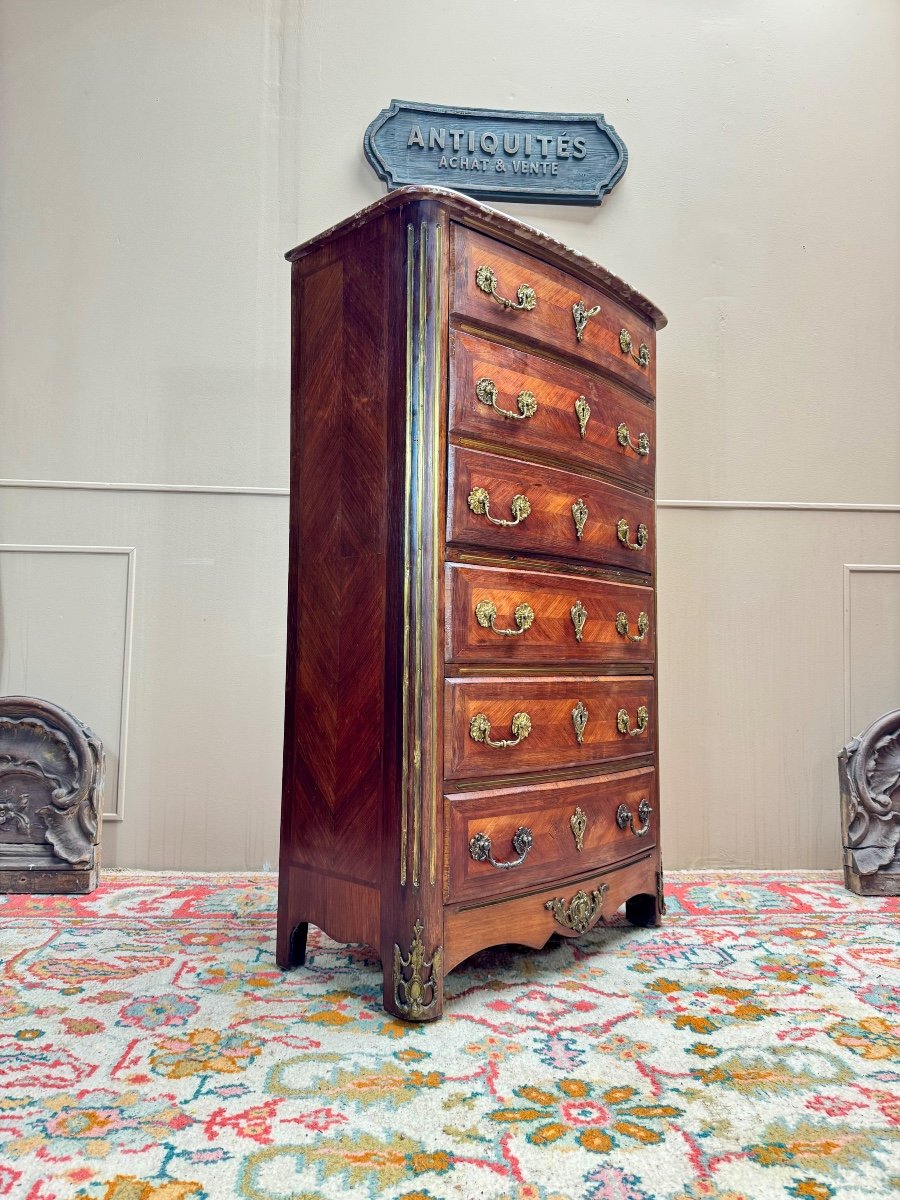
(486, 614)
(581, 911)
(480, 730)
(624, 533)
(480, 501)
(481, 850)
(625, 817)
(487, 282)
(643, 624)
(642, 358)
(581, 316)
(641, 446)
(486, 391)
(623, 721)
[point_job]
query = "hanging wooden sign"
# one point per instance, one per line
(571, 158)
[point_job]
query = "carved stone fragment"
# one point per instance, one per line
(51, 791)
(869, 773)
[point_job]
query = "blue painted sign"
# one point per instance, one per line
(494, 154)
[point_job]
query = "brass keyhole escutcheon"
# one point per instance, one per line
(580, 515)
(579, 615)
(581, 316)
(578, 825)
(579, 720)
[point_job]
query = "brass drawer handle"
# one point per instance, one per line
(583, 413)
(643, 624)
(580, 515)
(480, 730)
(487, 282)
(481, 850)
(480, 502)
(642, 358)
(641, 446)
(581, 316)
(624, 533)
(623, 721)
(579, 615)
(579, 720)
(581, 911)
(486, 614)
(625, 817)
(486, 391)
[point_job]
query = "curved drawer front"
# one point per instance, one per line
(540, 306)
(500, 616)
(516, 399)
(521, 507)
(569, 828)
(495, 727)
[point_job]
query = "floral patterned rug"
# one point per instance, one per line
(747, 1049)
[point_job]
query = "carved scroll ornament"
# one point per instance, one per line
(869, 772)
(51, 789)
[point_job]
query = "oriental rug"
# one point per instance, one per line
(747, 1049)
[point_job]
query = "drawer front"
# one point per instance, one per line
(519, 507)
(551, 831)
(503, 726)
(521, 400)
(545, 312)
(500, 616)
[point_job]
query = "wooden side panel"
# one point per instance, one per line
(334, 718)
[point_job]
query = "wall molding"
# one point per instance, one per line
(779, 505)
(851, 569)
(130, 553)
(213, 489)
(88, 486)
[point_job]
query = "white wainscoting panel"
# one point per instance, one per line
(871, 643)
(65, 636)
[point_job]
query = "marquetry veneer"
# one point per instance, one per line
(470, 719)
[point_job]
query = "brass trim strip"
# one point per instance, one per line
(436, 540)
(407, 535)
(419, 563)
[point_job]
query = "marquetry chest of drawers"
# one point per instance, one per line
(470, 721)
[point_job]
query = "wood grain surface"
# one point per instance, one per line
(526, 921)
(551, 638)
(550, 322)
(546, 810)
(553, 432)
(550, 526)
(549, 704)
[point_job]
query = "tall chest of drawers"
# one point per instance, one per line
(470, 709)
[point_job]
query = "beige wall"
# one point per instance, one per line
(158, 159)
